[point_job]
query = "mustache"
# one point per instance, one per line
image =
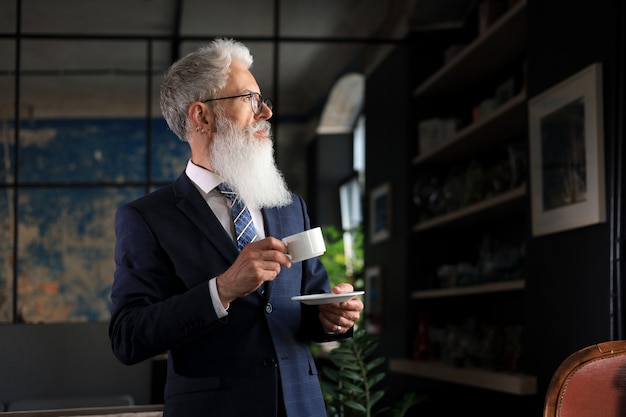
(262, 125)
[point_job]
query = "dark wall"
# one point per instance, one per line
(387, 108)
(330, 162)
(388, 120)
(571, 275)
(66, 360)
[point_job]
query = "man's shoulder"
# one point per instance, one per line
(165, 192)
(296, 207)
(297, 202)
(153, 197)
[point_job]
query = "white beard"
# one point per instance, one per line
(246, 163)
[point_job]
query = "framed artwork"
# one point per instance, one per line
(380, 213)
(373, 302)
(567, 154)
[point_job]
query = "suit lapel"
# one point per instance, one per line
(197, 210)
(272, 224)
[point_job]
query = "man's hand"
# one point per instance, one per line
(340, 317)
(257, 263)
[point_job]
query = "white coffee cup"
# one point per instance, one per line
(305, 245)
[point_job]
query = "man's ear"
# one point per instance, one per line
(201, 116)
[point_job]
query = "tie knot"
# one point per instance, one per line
(225, 189)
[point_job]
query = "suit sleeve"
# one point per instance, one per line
(152, 311)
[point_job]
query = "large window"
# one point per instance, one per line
(86, 142)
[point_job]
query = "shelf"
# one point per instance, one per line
(486, 288)
(501, 203)
(488, 139)
(485, 54)
(489, 131)
(511, 383)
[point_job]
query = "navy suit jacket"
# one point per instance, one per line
(169, 244)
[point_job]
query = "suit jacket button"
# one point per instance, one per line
(268, 362)
(268, 308)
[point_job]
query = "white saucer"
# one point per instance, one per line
(327, 298)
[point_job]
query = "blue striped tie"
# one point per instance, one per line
(244, 228)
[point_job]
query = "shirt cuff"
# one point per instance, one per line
(215, 299)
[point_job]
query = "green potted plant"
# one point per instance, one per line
(351, 375)
(351, 380)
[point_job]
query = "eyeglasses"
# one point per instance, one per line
(256, 101)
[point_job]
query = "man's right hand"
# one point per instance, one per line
(257, 263)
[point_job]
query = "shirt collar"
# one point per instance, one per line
(204, 179)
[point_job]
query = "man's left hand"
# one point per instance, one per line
(338, 318)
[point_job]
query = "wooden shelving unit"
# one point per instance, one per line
(483, 134)
(487, 52)
(486, 288)
(497, 205)
(497, 49)
(511, 383)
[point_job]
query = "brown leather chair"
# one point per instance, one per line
(590, 383)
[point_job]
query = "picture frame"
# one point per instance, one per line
(380, 213)
(373, 301)
(567, 154)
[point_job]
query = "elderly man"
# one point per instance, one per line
(187, 282)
